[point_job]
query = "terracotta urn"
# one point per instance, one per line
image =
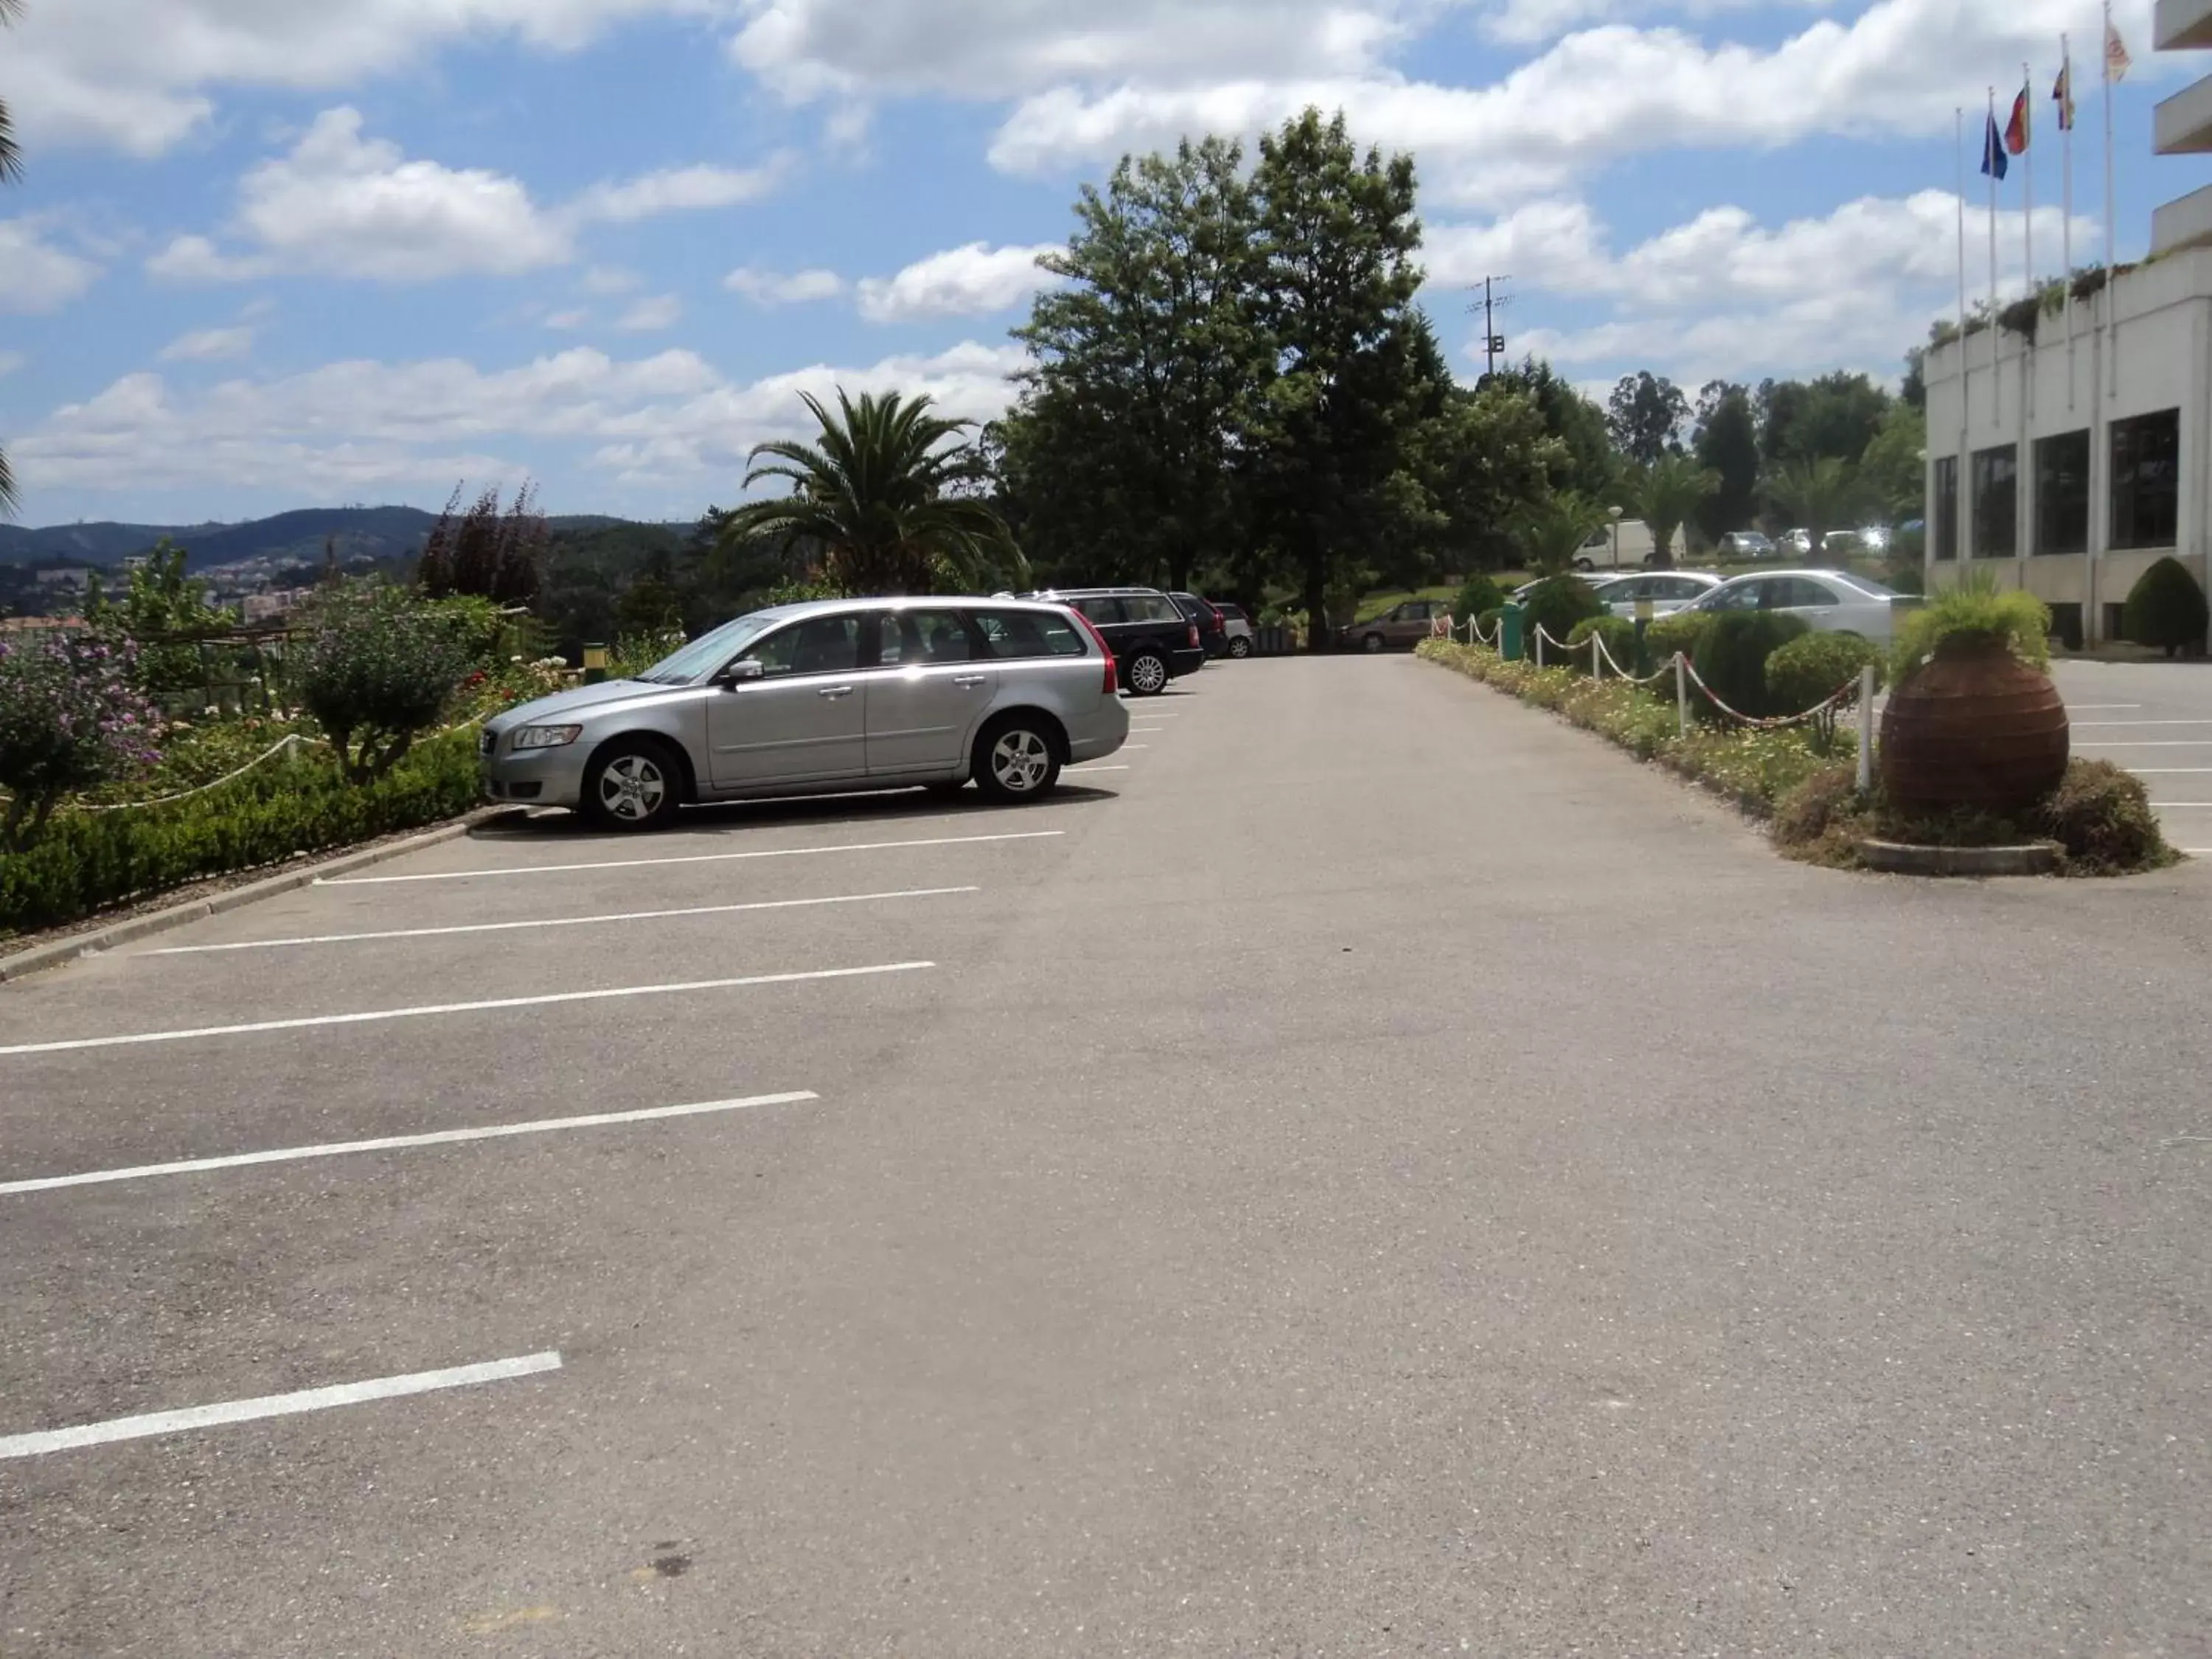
(1974, 727)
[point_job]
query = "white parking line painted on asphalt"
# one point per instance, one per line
(560, 921)
(1096, 769)
(312, 1021)
(275, 1405)
(400, 1143)
(689, 858)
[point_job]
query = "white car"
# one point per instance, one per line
(1238, 628)
(1669, 591)
(1834, 601)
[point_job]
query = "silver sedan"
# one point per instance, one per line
(820, 698)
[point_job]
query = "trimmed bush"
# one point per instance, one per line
(1732, 657)
(1825, 801)
(1683, 631)
(89, 861)
(1477, 594)
(1815, 667)
(380, 670)
(1557, 604)
(1487, 621)
(1619, 639)
(2166, 608)
(2102, 817)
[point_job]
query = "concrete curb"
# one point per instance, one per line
(42, 956)
(1896, 858)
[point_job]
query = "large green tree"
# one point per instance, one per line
(1727, 446)
(1485, 462)
(1587, 463)
(1645, 416)
(1330, 444)
(1819, 495)
(1892, 471)
(889, 494)
(1119, 460)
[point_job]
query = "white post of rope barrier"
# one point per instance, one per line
(1681, 694)
(1539, 645)
(1597, 664)
(1866, 727)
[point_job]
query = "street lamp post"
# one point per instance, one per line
(1614, 513)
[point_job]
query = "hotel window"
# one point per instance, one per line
(1997, 502)
(2147, 480)
(1947, 507)
(2062, 493)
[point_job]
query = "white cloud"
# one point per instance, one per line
(345, 205)
(36, 276)
(207, 345)
(1723, 296)
(10, 362)
(769, 288)
(678, 190)
(351, 426)
(563, 321)
(135, 74)
(975, 280)
(658, 311)
(1897, 67)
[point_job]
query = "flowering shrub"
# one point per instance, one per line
(379, 673)
(69, 719)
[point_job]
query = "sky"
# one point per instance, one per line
(270, 254)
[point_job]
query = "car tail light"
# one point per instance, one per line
(1112, 685)
(1194, 637)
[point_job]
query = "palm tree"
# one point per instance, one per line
(11, 168)
(1669, 494)
(1554, 534)
(1820, 495)
(882, 495)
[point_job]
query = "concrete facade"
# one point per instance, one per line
(2123, 390)
(2183, 125)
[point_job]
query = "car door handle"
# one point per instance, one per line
(969, 682)
(834, 692)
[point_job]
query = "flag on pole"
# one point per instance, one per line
(1994, 162)
(2015, 132)
(2116, 61)
(2061, 93)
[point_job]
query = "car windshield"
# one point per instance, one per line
(710, 650)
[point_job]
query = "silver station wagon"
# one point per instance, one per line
(822, 698)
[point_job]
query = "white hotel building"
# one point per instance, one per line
(2068, 463)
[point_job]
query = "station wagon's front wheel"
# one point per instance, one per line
(1016, 760)
(633, 783)
(1148, 674)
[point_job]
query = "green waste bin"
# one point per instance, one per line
(1508, 631)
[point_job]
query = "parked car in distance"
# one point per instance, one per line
(1243, 637)
(833, 695)
(1402, 626)
(1669, 591)
(1152, 640)
(1793, 544)
(1211, 632)
(1626, 545)
(1740, 545)
(1834, 601)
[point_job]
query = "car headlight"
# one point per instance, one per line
(547, 737)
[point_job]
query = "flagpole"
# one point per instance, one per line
(2112, 213)
(2066, 196)
(1966, 371)
(2027, 180)
(1996, 373)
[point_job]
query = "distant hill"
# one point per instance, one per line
(372, 532)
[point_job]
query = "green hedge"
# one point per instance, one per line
(1619, 641)
(89, 861)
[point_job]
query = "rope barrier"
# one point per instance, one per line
(1619, 672)
(295, 739)
(1842, 694)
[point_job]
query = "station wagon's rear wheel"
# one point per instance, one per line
(1017, 759)
(633, 783)
(1148, 674)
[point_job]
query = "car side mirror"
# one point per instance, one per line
(738, 673)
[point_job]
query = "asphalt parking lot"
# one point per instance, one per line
(1373, 1172)
(2155, 718)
